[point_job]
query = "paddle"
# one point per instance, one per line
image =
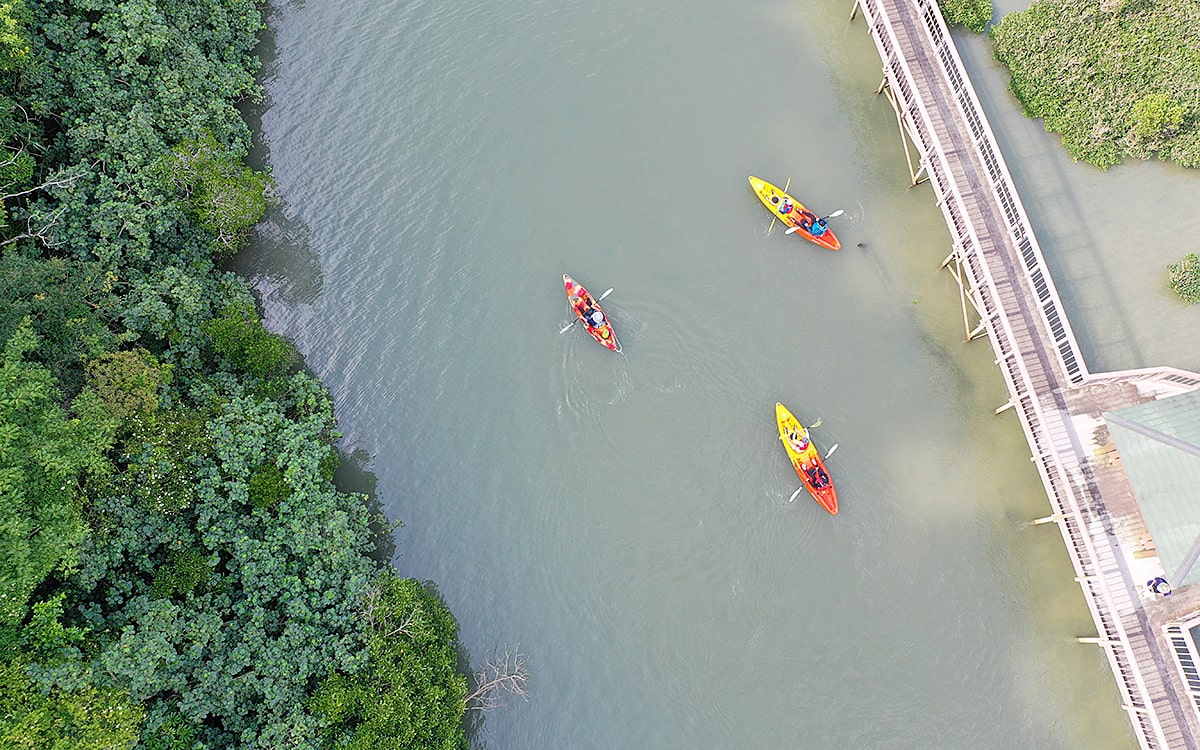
(786, 185)
(833, 215)
(792, 499)
(567, 327)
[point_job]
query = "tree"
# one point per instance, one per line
(1114, 79)
(239, 336)
(14, 35)
(72, 307)
(43, 456)
(81, 717)
(226, 197)
(409, 693)
(1185, 278)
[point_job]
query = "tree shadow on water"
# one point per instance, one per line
(354, 474)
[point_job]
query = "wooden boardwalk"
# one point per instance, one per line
(999, 265)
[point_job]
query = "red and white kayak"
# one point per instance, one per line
(590, 314)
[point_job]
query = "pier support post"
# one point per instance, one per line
(1053, 518)
(1004, 408)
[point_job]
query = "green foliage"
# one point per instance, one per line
(1114, 80)
(267, 486)
(203, 574)
(224, 195)
(1156, 114)
(32, 716)
(173, 733)
(160, 461)
(1185, 278)
(14, 35)
(127, 383)
(973, 14)
(409, 694)
(186, 570)
(127, 81)
(43, 455)
(222, 613)
(167, 307)
(69, 305)
(86, 718)
(239, 336)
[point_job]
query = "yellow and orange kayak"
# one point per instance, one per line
(793, 214)
(806, 459)
(594, 319)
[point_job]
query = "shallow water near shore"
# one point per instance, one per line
(623, 519)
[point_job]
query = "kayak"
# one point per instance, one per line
(590, 314)
(806, 459)
(796, 215)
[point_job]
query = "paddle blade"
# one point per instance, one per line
(791, 230)
(831, 450)
(835, 214)
(816, 424)
(792, 499)
(602, 296)
(567, 327)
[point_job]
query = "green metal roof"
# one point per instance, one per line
(1159, 443)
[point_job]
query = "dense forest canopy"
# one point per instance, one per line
(1114, 78)
(177, 568)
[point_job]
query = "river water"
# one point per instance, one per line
(623, 519)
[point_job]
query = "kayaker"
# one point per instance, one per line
(817, 477)
(818, 227)
(786, 206)
(597, 318)
(822, 479)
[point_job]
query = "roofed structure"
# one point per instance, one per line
(1159, 443)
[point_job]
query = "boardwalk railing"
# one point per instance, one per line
(999, 180)
(1022, 319)
(1170, 378)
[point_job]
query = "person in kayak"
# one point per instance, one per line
(817, 477)
(596, 318)
(797, 442)
(585, 308)
(813, 225)
(786, 206)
